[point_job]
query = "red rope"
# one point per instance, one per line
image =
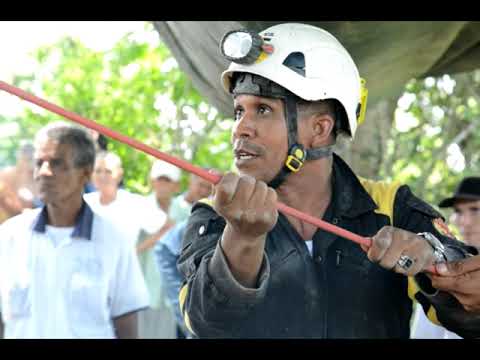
(210, 177)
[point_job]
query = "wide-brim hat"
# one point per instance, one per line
(468, 189)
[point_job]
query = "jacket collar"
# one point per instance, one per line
(83, 222)
(349, 196)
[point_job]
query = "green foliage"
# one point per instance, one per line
(435, 141)
(9, 142)
(136, 89)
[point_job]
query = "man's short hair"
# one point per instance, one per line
(65, 133)
(331, 107)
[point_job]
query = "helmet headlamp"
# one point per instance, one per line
(241, 46)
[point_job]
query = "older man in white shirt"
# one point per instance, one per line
(65, 271)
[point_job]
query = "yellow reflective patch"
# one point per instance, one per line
(363, 101)
(432, 315)
(207, 201)
(412, 288)
(263, 55)
(187, 323)
(182, 297)
(383, 194)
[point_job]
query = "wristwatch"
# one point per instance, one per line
(438, 248)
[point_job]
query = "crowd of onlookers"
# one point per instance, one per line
(152, 225)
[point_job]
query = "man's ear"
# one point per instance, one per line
(322, 129)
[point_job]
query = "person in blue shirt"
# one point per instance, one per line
(167, 251)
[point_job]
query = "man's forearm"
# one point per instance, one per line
(244, 256)
(151, 240)
(126, 326)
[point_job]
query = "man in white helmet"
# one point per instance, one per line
(254, 272)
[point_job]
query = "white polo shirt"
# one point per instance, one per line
(126, 211)
(153, 216)
(423, 328)
(66, 282)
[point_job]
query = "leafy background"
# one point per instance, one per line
(427, 136)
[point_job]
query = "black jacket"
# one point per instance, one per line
(336, 293)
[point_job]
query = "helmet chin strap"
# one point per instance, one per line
(297, 155)
(318, 153)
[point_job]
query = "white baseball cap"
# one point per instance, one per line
(162, 168)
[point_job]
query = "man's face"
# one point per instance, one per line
(106, 174)
(164, 187)
(466, 217)
(57, 180)
(259, 136)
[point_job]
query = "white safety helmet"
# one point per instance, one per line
(329, 71)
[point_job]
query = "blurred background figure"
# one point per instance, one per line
(466, 210)
(158, 322)
(167, 249)
(112, 201)
(101, 143)
(165, 182)
(128, 211)
(198, 188)
(16, 184)
(466, 218)
(62, 264)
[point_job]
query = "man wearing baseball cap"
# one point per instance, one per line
(165, 181)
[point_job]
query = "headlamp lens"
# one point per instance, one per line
(237, 44)
(241, 46)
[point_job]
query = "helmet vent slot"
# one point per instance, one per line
(296, 62)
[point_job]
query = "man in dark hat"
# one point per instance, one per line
(466, 206)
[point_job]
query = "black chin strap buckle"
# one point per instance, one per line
(296, 158)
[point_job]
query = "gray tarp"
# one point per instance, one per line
(388, 53)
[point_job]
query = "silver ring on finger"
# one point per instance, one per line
(405, 262)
